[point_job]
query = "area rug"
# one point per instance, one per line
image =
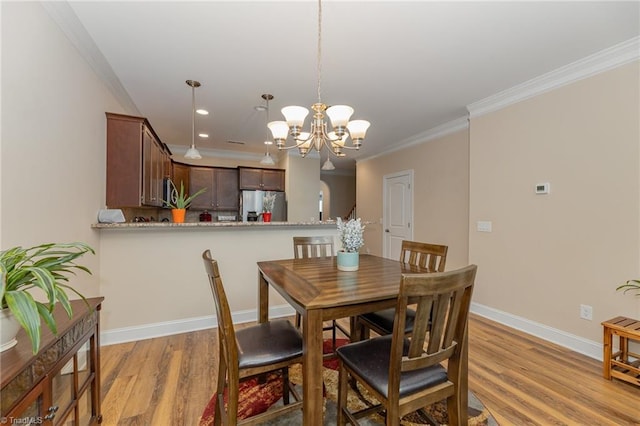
(258, 397)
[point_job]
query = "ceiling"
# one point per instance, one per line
(407, 67)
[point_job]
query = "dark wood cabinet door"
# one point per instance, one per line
(124, 161)
(202, 177)
(250, 179)
(261, 179)
(273, 180)
(227, 194)
(180, 174)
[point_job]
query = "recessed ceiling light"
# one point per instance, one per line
(202, 111)
(268, 142)
(203, 135)
(260, 108)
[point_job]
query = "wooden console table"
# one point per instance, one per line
(61, 383)
(618, 364)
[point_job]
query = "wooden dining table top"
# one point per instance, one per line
(316, 283)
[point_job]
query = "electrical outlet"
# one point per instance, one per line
(586, 312)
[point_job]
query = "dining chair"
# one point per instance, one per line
(404, 372)
(433, 257)
(250, 351)
(309, 247)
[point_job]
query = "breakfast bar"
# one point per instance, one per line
(152, 277)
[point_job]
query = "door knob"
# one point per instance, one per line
(386, 230)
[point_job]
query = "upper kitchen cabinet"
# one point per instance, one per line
(180, 174)
(222, 188)
(137, 163)
(261, 179)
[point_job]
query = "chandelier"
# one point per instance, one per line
(319, 136)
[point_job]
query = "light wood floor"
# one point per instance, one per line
(521, 379)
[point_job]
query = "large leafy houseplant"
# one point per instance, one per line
(180, 199)
(45, 267)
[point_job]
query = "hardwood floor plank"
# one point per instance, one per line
(521, 379)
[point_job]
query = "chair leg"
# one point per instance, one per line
(454, 411)
(285, 385)
(298, 320)
(333, 335)
(342, 395)
(222, 378)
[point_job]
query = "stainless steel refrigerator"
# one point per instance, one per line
(252, 204)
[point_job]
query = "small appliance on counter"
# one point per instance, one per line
(205, 216)
(227, 218)
(252, 217)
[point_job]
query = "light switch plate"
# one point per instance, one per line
(484, 226)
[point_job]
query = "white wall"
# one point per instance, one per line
(53, 137)
(548, 254)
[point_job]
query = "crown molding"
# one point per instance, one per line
(68, 21)
(612, 57)
(445, 129)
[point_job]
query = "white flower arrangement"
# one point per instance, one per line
(351, 234)
(268, 201)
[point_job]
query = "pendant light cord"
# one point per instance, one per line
(193, 117)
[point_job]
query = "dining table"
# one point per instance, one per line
(320, 292)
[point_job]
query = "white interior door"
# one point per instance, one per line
(398, 212)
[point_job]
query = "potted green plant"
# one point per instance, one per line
(351, 236)
(631, 285)
(45, 267)
(179, 201)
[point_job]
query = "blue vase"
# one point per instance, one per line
(348, 261)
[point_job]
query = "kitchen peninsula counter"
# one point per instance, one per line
(153, 279)
(214, 225)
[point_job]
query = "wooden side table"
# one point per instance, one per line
(618, 364)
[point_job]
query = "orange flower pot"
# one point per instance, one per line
(178, 215)
(266, 216)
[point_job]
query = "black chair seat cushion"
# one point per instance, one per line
(384, 319)
(370, 360)
(267, 343)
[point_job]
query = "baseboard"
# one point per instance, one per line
(167, 328)
(575, 343)
(130, 334)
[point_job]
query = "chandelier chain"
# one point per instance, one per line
(319, 48)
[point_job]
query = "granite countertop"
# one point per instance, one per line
(210, 225)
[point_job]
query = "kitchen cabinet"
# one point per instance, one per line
(261, 179)
(180, 173)
(137, 163)
(222, 188)
(61, 383)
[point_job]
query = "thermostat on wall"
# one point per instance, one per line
(542, 188)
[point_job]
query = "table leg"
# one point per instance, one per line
(607, 342)
(312, 378)
(263, 299)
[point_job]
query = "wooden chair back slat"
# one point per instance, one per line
(309, 247)
(425, 255)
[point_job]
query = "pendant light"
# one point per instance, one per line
(193, 153)
(267, 160)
